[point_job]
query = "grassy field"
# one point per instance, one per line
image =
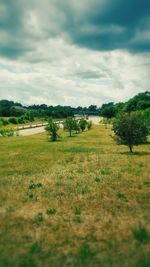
(80, 202)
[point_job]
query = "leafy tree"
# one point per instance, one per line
(108, 110)
(69, 125)
(138, 102)
(52, 129)
(82, 124)
(92, 109)
(76, 126)
(130, 129)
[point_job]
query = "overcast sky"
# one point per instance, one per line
(74, 52)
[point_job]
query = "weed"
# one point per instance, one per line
(141, 234)
(40, 217)
(77, 211)
(34, 186)
(51, 211)
(85, 254)
(97, 180)
(105, 172)
(59, 183)
(77, 219)
(36, 248)
(146, 183)
(27, 262)
(121, 196)
(30, 194)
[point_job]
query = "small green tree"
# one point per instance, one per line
(52, 129)
(76, 126)
(89, 125)
(82, 124)
(69, 125)
(130, 129)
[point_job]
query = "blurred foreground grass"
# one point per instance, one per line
(82, 201)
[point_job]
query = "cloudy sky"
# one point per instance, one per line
(73, 52)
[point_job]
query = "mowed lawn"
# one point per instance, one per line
(79, 202)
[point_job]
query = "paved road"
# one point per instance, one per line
(31, 131)
(26, 132)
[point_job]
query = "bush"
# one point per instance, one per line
(130, 129)
(13, 120)
(3, 122)
(6, 132)
(21, 120)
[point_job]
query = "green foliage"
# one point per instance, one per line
(121, 196)
(70, 125)
(36, 248)
(52, 129)
(77, 211)
(108, 110)
(6, 131)
(83, 124)
(76, 126)
(40, 217)
(51, 211)
(141, 234)
(138, 102)
(13, 120)
(3, 122)
(34, 186)
(89, 125)
(130, 129)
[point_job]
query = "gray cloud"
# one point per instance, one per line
(95, 24)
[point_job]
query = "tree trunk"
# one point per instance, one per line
(70, 132)
(130, 149)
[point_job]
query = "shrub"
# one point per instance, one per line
(3, 122)
(21, 120)
(51, 211)
(6, 131)
(13, 120)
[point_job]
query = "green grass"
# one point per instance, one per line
(79, 202)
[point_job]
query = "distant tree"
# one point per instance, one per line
(130, 129)
(92, 109)
(138, 102)
(52, 129)
(69, 125)
(108, 110)
(83, 124)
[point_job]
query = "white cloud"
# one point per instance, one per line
(69, 75)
